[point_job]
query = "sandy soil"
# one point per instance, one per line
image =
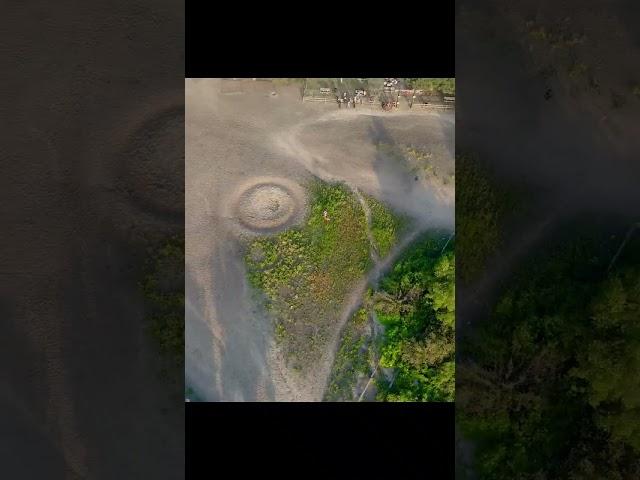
(278, 143)
(79, 389)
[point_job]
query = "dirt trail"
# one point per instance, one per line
(353, 302)
(232, 144)
(367, 215)
(320, 145)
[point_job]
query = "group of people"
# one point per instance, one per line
(349, 101)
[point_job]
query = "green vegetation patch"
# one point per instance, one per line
(307, 272)
(191, 395)
(549, 385)
(354, 358)
(416, 304)
(481, 210)
(163, 288)
(556, 37)
(442, 85)
(558, 47)
(386, 226)
(419, 161)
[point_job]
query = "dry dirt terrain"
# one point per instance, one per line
(92, 160)
(248, 156)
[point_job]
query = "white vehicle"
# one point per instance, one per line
(360, 92)
(394, 81)
(325, 90)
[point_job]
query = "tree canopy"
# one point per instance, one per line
(416, 304)
(549, 386)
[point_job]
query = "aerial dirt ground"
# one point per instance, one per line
(92, 161)
(248, 156)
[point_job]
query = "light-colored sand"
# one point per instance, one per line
(267, 204)
(248, 157)
(79, 391)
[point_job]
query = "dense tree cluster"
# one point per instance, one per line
(416, 304)
(549, 387)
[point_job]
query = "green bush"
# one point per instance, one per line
(416, 304)
(163, 288)
(442, 85)
(550, 385)
(386, 227)
(350, 361)
(481, 212)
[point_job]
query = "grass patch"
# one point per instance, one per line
(352, 360)
(163, 289)
(386, 226)
(416, 304)
(558, 47)
(577, 70)
(446, 86)
(417, 161)
(307, 272)
(420, 156)
(481, 206)
(557, 37)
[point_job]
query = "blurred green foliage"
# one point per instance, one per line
(548, 387)
(163, 288)
(482, 207)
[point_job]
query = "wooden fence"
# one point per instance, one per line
(432, 106)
